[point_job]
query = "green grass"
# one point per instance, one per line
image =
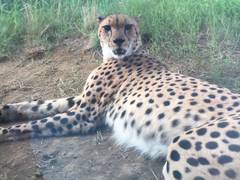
(204, 32)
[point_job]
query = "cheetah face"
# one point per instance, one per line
(119, 36)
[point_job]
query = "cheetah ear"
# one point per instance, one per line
(100, 18)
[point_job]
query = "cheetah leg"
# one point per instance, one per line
(72, 122)
(207, 152)
(35, 109)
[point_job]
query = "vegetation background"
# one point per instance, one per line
(201, 35)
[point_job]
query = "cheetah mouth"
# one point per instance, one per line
(119, 51)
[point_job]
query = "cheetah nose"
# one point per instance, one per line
(118, 41)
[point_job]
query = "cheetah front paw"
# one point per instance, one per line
(9, 113)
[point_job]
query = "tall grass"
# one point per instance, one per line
(170, 27)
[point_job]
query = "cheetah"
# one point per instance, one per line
(191, 122)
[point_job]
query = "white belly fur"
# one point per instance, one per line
(128, 138)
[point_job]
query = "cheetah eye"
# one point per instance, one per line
(107, 28)
(128, 27)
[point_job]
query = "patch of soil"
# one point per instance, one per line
(94, 157)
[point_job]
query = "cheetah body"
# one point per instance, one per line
(195, 124)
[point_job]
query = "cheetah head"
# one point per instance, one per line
(119, 36)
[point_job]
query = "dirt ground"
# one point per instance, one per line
(62, 73)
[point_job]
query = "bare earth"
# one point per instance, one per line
(62, 73)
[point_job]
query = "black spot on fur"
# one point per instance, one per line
(219, 106)
(115, 116)
(151, 101)
(203, 161)
(230, 173)
(36, 129)
(139, 104)
(185, 144)
(78, 117)
(83, 105)
(94, 100)
(64, 121)
(192, 162)
(99, 89)
(212, 96)
(84, 118)
(15, 131)
(49, 125)
(235, 104)
(34, 122)
(187, 170)
(198, 146)
(166, 103)
(123, 114)
(181, 97)
(215, 134)
(201, 131)
(4, 131)
(213, 171)
(196, 118)
(185, 89)
(234, 148)
(132, 102)
(161, 116)
(139, 131)
(223, 98)
(232, 134)
(35, 108)
(148, 123)
(222, 124)
(207, 100)
(176, 139)
(75, 123)
(198, 178)
(125, 124)
(70, 102)
(70, 113)
(175, 123)
(60, 129)
(148, 111)
(194, 94)
(189, 132)
(49, 106)
(175, 155)
(224, 159)
(88, 93)
(211, 108)
(201, 111)
(5, 107)
(167, 166)
(177, 109)
(43, 120)
(56, 118)
(132, 123)
(177, 174)
(211, 145)
(39, 102)
(193, 103)
(186, 128)
(69, 126)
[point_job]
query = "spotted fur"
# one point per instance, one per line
(195, 124)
